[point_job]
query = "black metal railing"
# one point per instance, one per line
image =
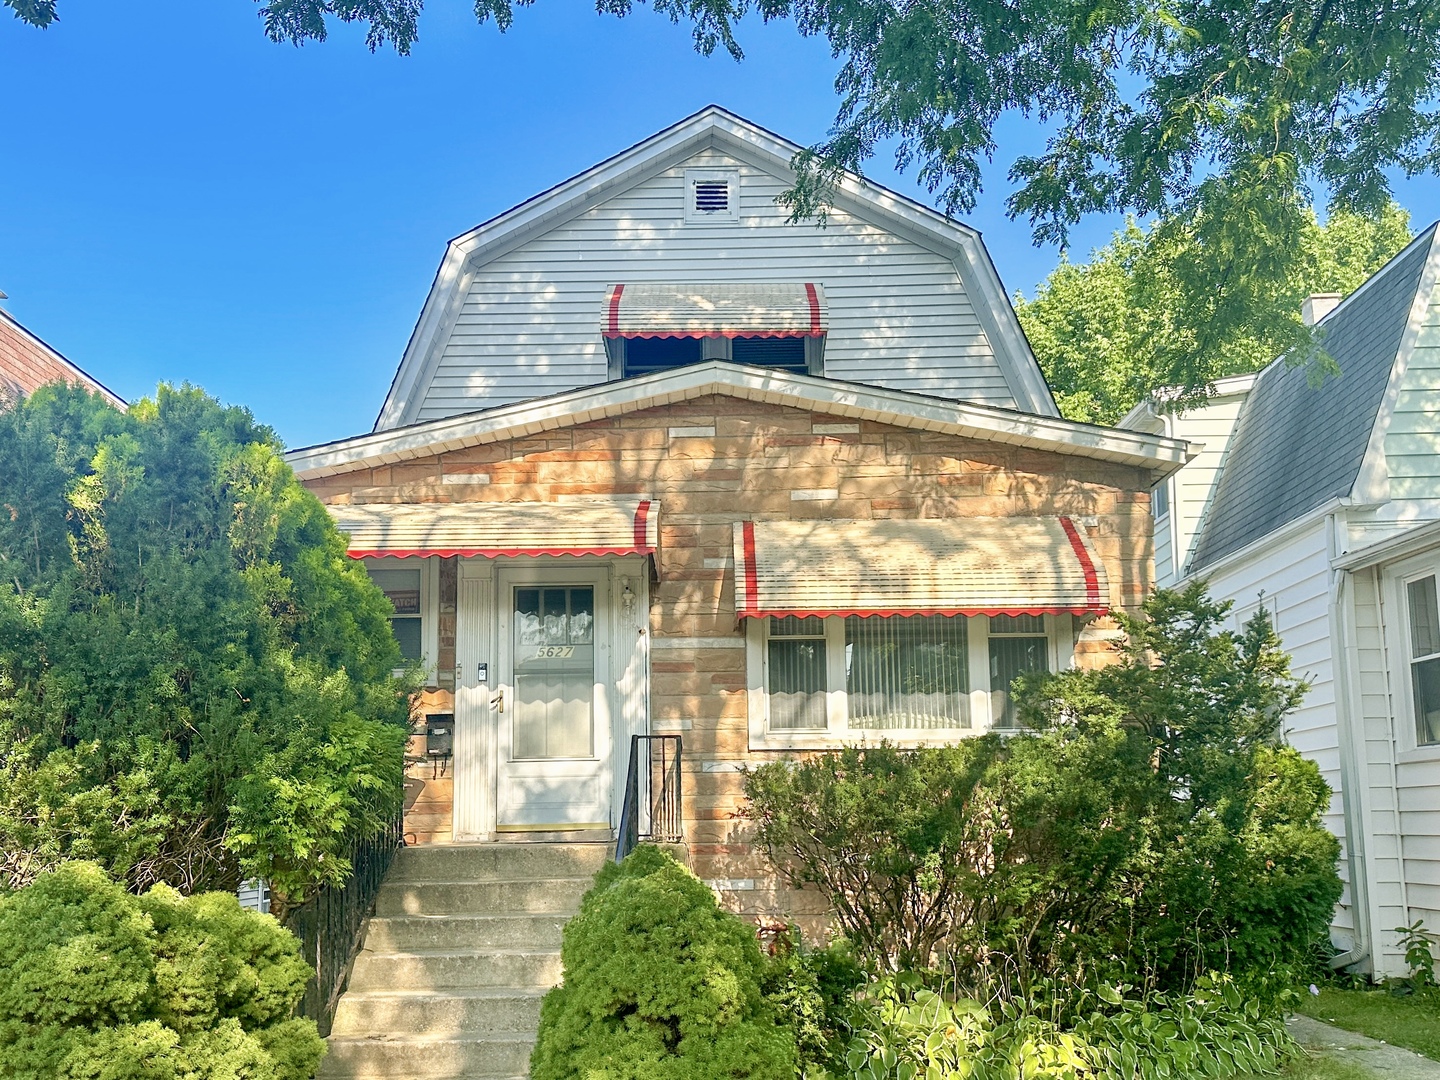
(651, 811)
(331, 924)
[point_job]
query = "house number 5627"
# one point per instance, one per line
(554, 652)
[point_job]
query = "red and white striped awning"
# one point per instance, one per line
(500, 528)
(961, 566)
(717, 310)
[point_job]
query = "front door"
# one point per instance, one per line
(553, 744)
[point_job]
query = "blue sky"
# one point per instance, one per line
(185, 200)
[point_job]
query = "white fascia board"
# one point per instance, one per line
(1372, 483)
(1148, 409)
(1160, 455)
(1413, 541)
(763, 149)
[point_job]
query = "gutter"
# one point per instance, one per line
(1352, 789)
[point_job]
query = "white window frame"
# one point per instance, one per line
(1163, 487)
(730, 215)
(1406, 733)
(429, 607)
(1059, 632)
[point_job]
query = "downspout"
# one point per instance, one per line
(1351, 758)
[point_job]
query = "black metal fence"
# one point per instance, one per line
(330, 924)
(652, 808)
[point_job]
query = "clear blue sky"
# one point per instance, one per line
(184, 200)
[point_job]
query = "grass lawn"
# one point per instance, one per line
(1314, 1068)
(1412, 1022)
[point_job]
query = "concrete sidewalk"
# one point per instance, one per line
(1381, 1059)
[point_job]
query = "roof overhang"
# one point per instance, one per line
(831, 396)
(711, 128)
(1413, 541)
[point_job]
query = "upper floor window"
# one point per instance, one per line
(650, 326)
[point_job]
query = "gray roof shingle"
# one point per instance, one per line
(1295, 445)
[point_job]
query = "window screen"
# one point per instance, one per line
(795, 674)
(907, 672)
(786, 353)
(1425, 659)
(646, 354)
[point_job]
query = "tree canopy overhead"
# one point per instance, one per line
(1109, 332)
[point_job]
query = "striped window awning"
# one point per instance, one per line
(500, 528)
(719, 310)
(962, 566)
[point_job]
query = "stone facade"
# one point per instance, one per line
(715, 460)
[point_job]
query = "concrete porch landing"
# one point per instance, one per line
(464, 943)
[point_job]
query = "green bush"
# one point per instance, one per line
(660, 984)
(908, 1032)
(1147, 827)
(99, 984)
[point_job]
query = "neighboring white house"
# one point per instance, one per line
(1322, 504)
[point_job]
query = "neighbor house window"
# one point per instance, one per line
(402, 587)
(1424, 658)
(1160, 500)
(919, 678)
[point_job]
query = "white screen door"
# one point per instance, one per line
(554, 724)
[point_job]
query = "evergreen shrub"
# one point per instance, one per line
(660, 984)
(99, 984)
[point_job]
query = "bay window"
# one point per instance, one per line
(820, 681)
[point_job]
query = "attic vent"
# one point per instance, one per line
(712, 195)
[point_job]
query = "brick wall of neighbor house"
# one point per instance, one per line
(714, 460)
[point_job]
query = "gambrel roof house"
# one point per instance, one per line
(1322, 504)
(657, 463)
(28, 363)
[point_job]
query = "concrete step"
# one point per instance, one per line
(438, 1012)
(499, 1054)
(497, 862)
(444, 969)
(551, 896)
(405, 933)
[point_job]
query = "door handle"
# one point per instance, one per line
(498, 701)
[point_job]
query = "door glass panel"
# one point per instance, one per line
(554, 650)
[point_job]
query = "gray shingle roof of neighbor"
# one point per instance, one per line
(1296, 445)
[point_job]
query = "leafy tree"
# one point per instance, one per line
(1222, 116)
(195, 680)
(1109, 332)
(95, 983)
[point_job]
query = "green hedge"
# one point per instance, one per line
(99, 984)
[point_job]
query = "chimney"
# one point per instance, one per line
(1318, 305)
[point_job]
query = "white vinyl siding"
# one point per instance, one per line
(530, 322)
(1291, 580)
(1412, 441)
(1209, 428)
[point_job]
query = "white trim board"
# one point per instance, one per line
(898, 408)
(710, 128)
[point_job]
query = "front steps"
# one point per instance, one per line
(464, 943)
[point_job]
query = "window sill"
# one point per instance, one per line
(1418, 754)
(828, 740)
